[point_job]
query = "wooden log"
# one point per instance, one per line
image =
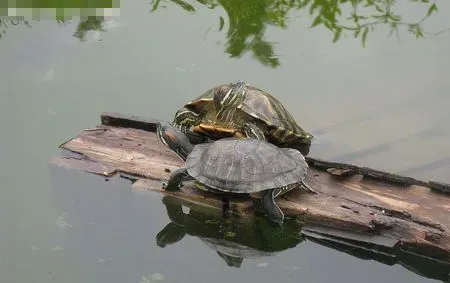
(119, 120)
(439, 186)
(386, 206)
(338, 169)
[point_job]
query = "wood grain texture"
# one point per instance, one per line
(133, 151)
(414, 217)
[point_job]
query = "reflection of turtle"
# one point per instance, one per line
(238, 166)
(233, 239)
(238, 109)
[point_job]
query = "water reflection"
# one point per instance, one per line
(11, 21)
(236, 239)
(422, 266)
(248, 20)
(93, 23)
(88, 23)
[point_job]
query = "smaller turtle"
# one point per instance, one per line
(237, 166)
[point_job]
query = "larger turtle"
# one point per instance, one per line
(238, 166)
(238, 109)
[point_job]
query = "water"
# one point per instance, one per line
(382, 106)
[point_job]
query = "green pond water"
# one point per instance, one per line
(375, 100)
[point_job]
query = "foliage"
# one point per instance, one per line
(84, 25)
(249, 19)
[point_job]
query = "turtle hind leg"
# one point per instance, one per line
(176, 178)
(252, 131)
(305, 186)
(270, 207)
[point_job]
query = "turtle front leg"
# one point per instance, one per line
(268, 203)
(176, 178)
(252, 131)
(185, 118)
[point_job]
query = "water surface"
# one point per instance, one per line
(384, 105)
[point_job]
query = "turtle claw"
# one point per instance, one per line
(252, 131)
(166, 187)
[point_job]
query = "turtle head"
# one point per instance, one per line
(174, 139)
(229, 96)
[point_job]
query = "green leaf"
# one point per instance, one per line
(221, 23)
(155, 5)
(314, 6)
(337, 34)
(394, 17)
(393, 28)
(418, 32)
(186, 6)
(364, 36)
(379, 9)
(317, 21)
(433, 8)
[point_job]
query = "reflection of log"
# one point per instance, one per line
(368, 251)
(253, 237)
(397, 212)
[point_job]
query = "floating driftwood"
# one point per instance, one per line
(354, 203)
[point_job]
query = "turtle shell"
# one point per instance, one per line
(269, 110)
(245, 165)
(259, 107)
(203, 105)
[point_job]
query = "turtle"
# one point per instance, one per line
(241, 110)
(237, 166)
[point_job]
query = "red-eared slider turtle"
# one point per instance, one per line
(238, 166)
(238, 109)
